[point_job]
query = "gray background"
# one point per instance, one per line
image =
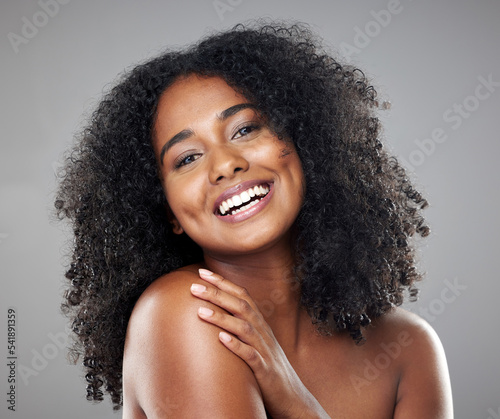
(427, 61)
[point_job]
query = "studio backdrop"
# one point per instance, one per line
(436, 62)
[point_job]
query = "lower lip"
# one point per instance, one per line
(250, 212)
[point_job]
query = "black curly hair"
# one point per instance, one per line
(353, 247)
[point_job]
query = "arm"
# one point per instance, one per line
(424, 390)
(174, 365)
(284, 394)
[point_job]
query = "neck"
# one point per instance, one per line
(269, 279)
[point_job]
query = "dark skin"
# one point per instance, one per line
(178, 361)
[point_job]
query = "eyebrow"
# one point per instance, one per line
(186, 133)
(233, 110)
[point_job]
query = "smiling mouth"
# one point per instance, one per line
(244, 200)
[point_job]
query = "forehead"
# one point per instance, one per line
(195, 96)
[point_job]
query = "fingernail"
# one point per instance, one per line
(225, 337)
(198, 288)
(205, 312)
(205, 272)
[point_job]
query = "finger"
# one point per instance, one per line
(244, 330)
(227, 286)
(234, 305)
(246, 352)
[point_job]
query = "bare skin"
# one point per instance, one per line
(176, 361)
(400, 372)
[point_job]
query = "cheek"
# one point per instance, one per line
(185, 197)
(290, 161)
(292, 165)
(272, 151)
(178, 201)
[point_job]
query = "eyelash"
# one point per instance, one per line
(181, 161)
(252, 128)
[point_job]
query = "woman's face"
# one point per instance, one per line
(231, 185)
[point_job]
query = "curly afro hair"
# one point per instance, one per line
(354, 259)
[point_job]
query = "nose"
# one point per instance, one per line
(225, 162)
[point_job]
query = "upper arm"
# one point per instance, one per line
(424, 390)
(174, 364)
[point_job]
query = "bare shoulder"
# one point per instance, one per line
(163, 307)
(424, 384)
(174, 364)
(400, 324)
(410, 331)
(169, 289)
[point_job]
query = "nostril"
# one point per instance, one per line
(236, 169)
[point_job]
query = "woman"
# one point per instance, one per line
(243, 240)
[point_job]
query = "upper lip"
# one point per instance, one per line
(237, 189)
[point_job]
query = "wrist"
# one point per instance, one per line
(306, 407)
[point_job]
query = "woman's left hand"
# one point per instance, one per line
(251, 338)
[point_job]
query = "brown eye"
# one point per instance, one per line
(245, 131)
(186, 159)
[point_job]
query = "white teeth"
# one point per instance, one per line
(243, 197)
(237, 200)
(224, 207)
(245, 207)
